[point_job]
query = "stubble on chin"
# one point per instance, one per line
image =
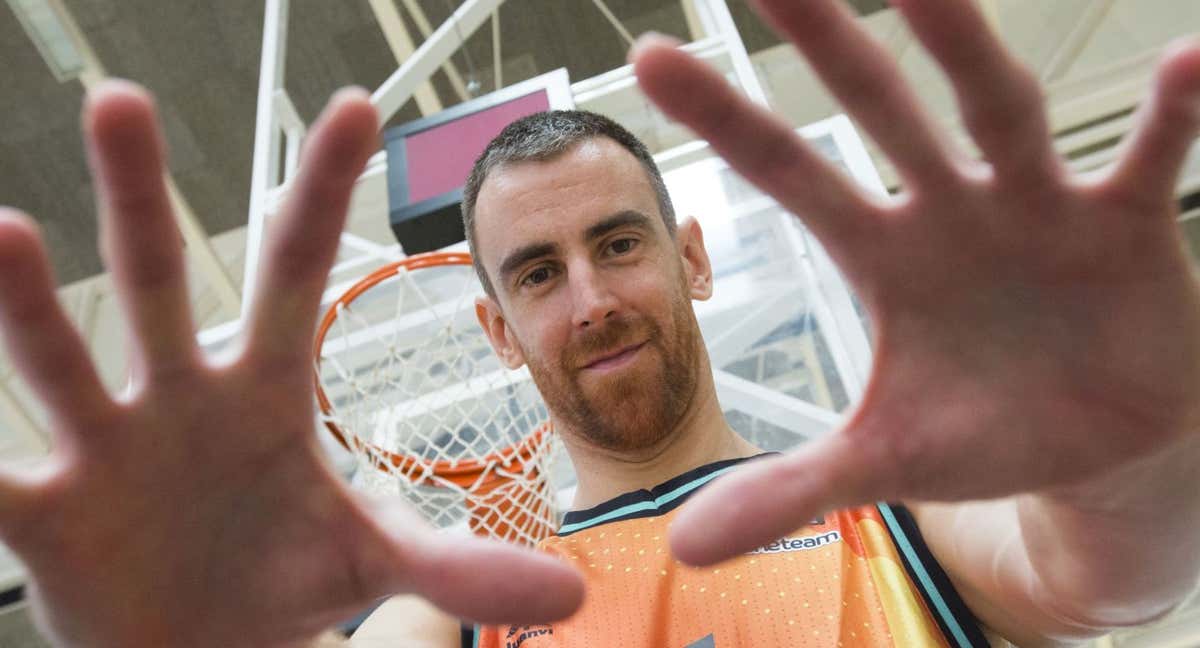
(633, 411)
(638, 409)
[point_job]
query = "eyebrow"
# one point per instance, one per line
(618, 220)
(523, 255)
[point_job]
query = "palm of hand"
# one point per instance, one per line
(197, 511)
(240, 532)
(1033, 330)
(1025, 339)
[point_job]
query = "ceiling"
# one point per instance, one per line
(201, 59)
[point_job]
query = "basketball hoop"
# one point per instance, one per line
(407, 382)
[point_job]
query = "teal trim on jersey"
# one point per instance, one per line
(613, 514)
(659, 501)
(667, 498)
(918, 568)
(475, 639)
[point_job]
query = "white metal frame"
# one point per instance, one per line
(716, 20)
(437, 48)
(821, 287)
(276, 123)
(264, 172)
(402, 46)
(280, 132)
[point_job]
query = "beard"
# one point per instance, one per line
(637, 406)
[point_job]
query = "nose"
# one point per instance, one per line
(593, 301)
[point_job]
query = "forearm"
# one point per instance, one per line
(1069, 565)
(1121, 549)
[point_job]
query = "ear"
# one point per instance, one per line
(501, 337)
(696, 266)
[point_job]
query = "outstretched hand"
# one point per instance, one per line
(1034, 330)
(196, 510)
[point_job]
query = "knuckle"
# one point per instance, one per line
(1015, 108)
(296, 258)
(279, 362)
(30, 311)
(128, 202)
(173, 370)
(1021, 98)
(151, 270)
(777, 158)
(1027, 92)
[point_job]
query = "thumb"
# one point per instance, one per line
(492, 582)
(1155, 153)
(469, 577)
(767, 499)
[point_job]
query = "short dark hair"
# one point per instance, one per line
(545, 135)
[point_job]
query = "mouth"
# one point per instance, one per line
(615, 359)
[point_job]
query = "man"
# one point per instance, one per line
(589, 283)
(1036, 361)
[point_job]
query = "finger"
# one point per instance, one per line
(757, 144)
(482, 580)
(1167, 127)
(866, 81)
(304, 235)
(15, 502)
(490, 582)
(24, 488)
(139, 239)
(1000, 100)
(768, 499)
(43, 345)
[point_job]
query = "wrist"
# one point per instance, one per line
(1141, 486)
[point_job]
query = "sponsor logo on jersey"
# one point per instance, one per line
(517, 635)
(801, 543)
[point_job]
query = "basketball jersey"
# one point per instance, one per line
(859, 577)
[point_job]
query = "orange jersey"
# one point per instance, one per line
(859, 577)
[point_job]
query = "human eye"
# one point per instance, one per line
(623, 245)
(537, 276)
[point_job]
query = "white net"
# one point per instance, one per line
(412, 386)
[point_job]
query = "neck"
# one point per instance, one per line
(701, 437)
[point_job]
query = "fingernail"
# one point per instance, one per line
(13, 217)
(111, 86)
(651, 39)
(349, 93)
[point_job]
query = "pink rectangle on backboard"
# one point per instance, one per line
(440, 159)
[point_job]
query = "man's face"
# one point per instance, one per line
(592, 292)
